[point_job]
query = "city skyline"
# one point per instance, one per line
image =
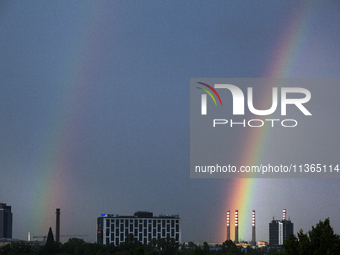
(95, 112)
(145, 216)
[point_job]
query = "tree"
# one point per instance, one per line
(321, 240)
(50, 237)
(74, 246)
(206, 248)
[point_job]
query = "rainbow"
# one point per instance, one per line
(53, 175)
(241, 192)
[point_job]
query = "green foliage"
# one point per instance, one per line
(75, 246)
(321, 240)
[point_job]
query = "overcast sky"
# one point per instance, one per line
(94, 109)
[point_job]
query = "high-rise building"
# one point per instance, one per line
(6, 222)
(112, 228)
(279, 230)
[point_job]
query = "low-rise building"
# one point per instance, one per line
(113, 228)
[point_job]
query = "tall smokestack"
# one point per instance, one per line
(236, 226)
(57, 228)
(228, 225)
(284, 214)
(253, 239)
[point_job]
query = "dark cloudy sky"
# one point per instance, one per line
(94, 108)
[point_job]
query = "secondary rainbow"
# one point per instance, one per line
(54, 175)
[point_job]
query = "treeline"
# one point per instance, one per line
(320, 240)
(164, 246)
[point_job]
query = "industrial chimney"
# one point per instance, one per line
(57, 228)
(253, 239)
(228, 225)
(284, 214)
(236, 226)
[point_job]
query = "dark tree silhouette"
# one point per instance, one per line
(50, 237)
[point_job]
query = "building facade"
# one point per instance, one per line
(112, 228)
(6, 221)
(279, 230)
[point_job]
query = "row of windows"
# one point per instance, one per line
(145, 232)
(145, 222)
(141, 227)
(121, 238)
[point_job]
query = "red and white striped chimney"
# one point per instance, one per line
(253, 238)
(236, 226)
(284, 214)
(228, 225)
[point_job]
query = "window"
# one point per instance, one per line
(140, 237)
(117, 240)
(168, 228)
(177, 228)
(107, 223)
(126, 223)
(145, 231)
(107, 232)
(136, 232)
(172, 223)
(117, 231)
(159, 228)
(145, 223)
(117, 222)
(121, 227)
(177, 237)
(131, 228)
(112, 227)
(172, 232)
(136, 223)
(163, 223)
(154, 232)
(149, 228)
(121, 237)
(112, 237)
(154, 223)
(126, 232)
(168, 221)
(163, 232)
(107, 240)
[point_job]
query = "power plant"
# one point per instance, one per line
(236, 240)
